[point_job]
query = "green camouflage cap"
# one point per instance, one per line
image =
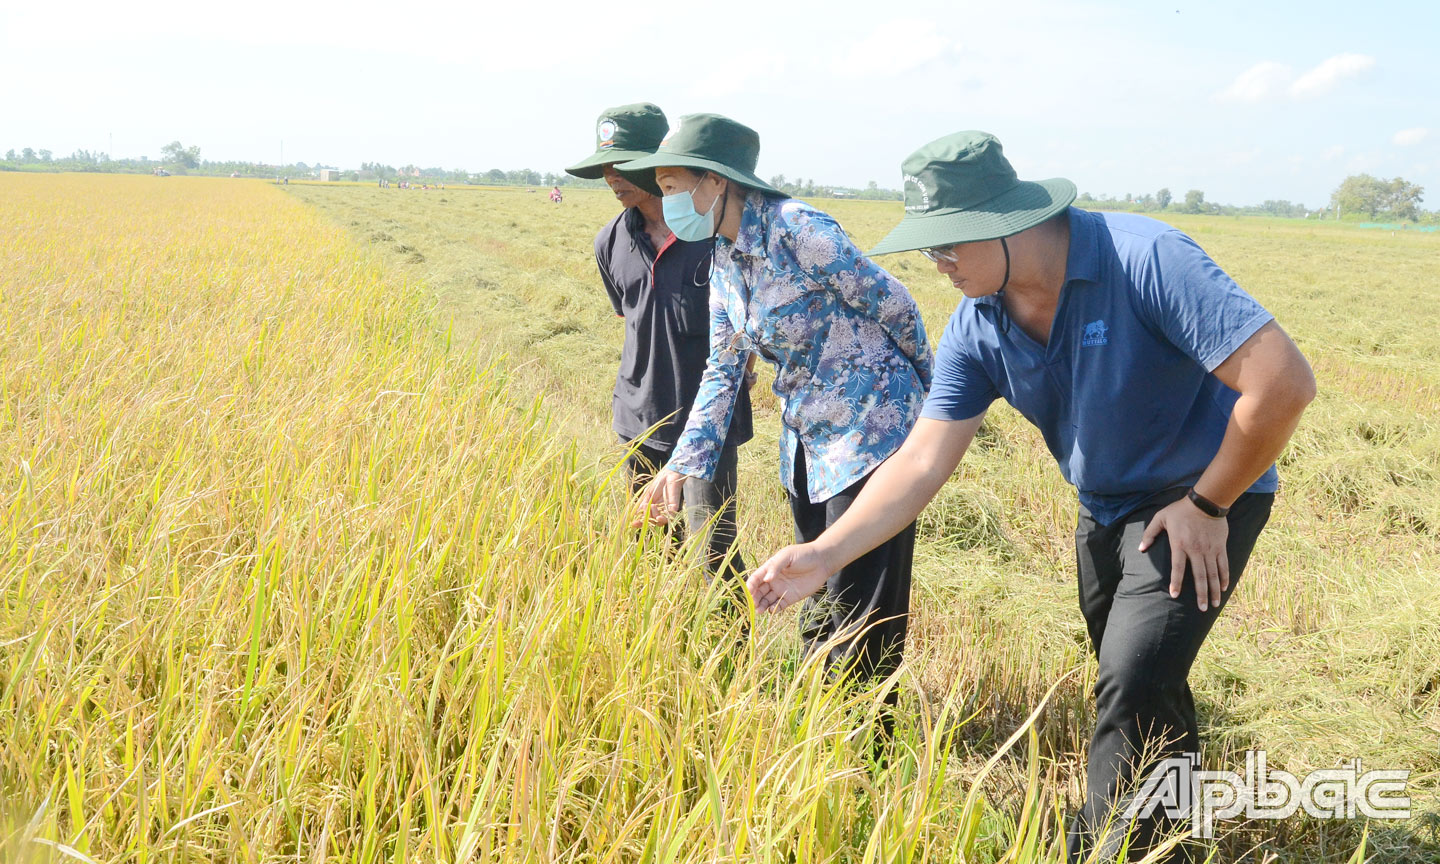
(961, 188)
(707, 142)
(624, 133)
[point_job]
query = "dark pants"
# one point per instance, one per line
(701, 500)
(1145, 642)
(867, 603)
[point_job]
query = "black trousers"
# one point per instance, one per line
(701, 500)
(867, 603)
(1145, 642)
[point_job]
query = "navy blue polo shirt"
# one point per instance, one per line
(1124, 393)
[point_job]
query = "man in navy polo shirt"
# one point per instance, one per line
(660, 286)
(1165, 394)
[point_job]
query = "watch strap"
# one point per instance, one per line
(1208, 507)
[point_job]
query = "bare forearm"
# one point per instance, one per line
(1258, 431)
(1275, 384)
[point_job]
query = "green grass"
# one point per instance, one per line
(1331, 648)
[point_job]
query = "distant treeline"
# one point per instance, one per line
(178, 159)
(1358, 198)
(1194, 202)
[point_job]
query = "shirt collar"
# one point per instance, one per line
(634, 220)
(1082, 260)
(1082, 264)
(754, 226)
(635, 226)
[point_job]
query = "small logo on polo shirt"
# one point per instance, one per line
(606, 133)
(1095, 334)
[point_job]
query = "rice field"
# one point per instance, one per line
(312, 549)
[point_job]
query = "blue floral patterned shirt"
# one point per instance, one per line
(852, 360)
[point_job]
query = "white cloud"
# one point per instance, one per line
(1236, 158)
(348, 24)
(1323, 78)
(1410, 137)
(1260, 82)
(1272, 80)
(746, 72)
(893, 48)
(1332, 153)
(1361, 163)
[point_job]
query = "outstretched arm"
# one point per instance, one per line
(892, 498)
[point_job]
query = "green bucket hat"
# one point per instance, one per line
(961, 188)
(707, 142)
(624, 133)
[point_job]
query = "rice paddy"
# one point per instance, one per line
(312, 548)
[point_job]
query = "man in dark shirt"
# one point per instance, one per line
(660, 286)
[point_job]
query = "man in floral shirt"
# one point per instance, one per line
(852, 368)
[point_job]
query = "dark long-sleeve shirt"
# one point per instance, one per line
(663, 295)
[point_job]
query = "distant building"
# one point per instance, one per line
(328, 174)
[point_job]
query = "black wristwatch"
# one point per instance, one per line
(1208, 507)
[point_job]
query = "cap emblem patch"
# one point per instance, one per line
(606, 133)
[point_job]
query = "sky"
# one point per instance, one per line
(1246, 101)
